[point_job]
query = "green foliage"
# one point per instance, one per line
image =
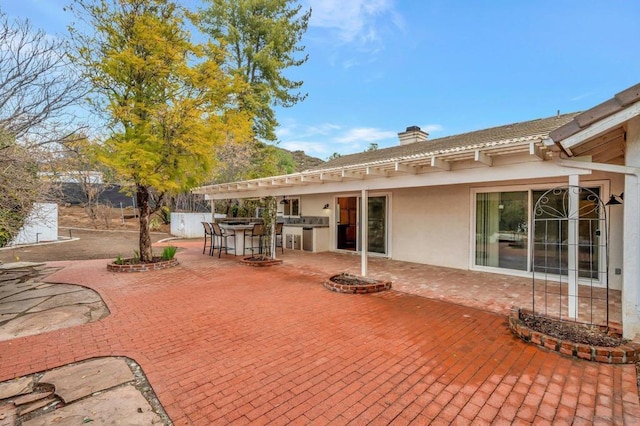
(10, 222)
(119, 260)
(270, 161)
(169, 252)
(136, 255)
(20, 187)
(261, 40)
(333, 156)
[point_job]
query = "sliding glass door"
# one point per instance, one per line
(347, 223)
(348, 220)
(377, 226)
(502, 232)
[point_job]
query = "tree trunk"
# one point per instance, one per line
(142, 196)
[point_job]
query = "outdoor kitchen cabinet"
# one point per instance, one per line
(308, 238)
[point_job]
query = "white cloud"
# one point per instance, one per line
(315, 149)
(580, 97)
(324, 139)
(432, 128)
(364, 135)
(354, 21)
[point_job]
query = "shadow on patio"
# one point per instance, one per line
(488, 291)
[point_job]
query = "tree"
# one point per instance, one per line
(372, 147)
(78, 165)
(240, 161)
(20, 187)
(261, 40)
(37, 91)
(168, 107)
(333, 156)
(37, 85)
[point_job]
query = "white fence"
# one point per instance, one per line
(40, 226)
(187, 225)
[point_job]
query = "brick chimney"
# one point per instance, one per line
(411, 135)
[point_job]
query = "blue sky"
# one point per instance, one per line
(378, 66)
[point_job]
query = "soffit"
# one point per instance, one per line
(438, 155)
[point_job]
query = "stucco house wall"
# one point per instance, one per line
(431, 225)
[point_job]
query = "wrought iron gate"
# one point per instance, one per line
(570, 256)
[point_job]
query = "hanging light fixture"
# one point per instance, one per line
(613, 200)
(284, 200)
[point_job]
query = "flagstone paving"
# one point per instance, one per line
(98, 391)
(30, 306)
(225, 343)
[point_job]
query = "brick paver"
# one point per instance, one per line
(221, 342)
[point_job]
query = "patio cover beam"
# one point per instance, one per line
(347, 174)
(537, 151)
(440, 164)
(330, 177)
(434, 177)
(404, 168)
(375, 171)
(483, 158)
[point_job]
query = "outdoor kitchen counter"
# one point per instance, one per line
(306, 225)
(306, 236)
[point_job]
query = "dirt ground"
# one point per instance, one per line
(95, 240)
(113, 219)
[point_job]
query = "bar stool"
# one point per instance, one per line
(256, 232)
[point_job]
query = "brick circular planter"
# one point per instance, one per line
(629, 353)
(361, 285)
(142, 267)
(260, 262)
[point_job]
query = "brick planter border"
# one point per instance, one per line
(372, 286)
(260, 263)
(629, 353)
(142, 267)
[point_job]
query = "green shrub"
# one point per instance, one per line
(169, 252)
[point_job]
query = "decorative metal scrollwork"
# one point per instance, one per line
(547, 207)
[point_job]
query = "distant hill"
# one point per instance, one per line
(302, 160)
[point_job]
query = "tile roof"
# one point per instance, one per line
(526, 130)
(619, 102)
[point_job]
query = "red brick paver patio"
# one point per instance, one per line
(221, 342)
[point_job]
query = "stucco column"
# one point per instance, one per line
(572, 246)
(631, 235)
(364, 231)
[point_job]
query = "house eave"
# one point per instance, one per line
(429, 162)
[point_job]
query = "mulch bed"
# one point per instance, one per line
(574, 332)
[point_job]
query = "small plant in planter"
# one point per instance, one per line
(169, 252)
(134, 264)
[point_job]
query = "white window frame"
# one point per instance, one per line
(290, 201)
(388, 226)
(603, 185)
